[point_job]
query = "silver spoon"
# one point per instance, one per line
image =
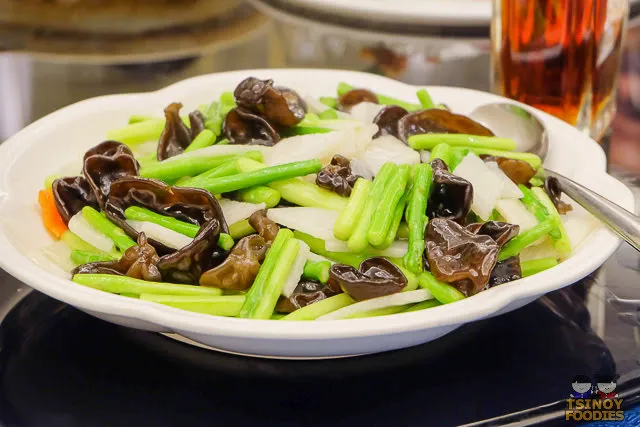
(512, 121)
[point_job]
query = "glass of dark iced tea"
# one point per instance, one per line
(561, 56)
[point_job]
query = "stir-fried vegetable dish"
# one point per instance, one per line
(269, 204)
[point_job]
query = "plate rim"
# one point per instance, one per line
(480, 306)
(424, 12)
(350, 26)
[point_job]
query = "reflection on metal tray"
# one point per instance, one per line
(110, 17)
(62, 367)
(185, 40)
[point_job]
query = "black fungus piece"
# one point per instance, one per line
(176, 136)
(436, 120)
(500, 232)
(240, 269)
(355, 97)
(337, 176)
(554, 191)
(139, 262)
(244, 127)
(192, 205)
(375, 277)
(106, 163)
(505, 271)
(71, 194)
(306, 293)
(387, 120)
(451, 195)
(459, 257)
(266, 228)
(281, 107)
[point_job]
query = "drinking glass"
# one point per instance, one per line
(561, 56)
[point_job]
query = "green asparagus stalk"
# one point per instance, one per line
(458, 153)
(298, 191)
(425, 99)
(276, 280)
(217, 112)
(530, 158)
(430, 140)
(562, 244)
(261, 283)
(124, 284)
(533, 205)
(536, 182)
(317, 246)
(395, 223)
(309, 119)
(358, 241)
(416, 216)
(332, 103)
(521, 241)
(137, 133)
(403, 229)
(384, 213)
(225, 169)
(529, 268)
(260, 194)
(307, 194)
(213, 117)
(80, 257)
(261, 176)
(430, 303)
(227, 305)
(147, 160)
(442, 292)
(204, 139)
(303, 130)
(179, 166)
(348, 218)
(137, 213)
(240, 229)
(225, 241)
(443, 152)
(344, 88)
(329, 114)
(137, 118)
(317, 270)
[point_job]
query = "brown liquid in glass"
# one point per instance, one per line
(547, 54)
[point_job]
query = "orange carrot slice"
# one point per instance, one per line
(50, 217)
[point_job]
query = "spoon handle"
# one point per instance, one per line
(616, 218)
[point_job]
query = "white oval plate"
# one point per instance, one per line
(62, 137)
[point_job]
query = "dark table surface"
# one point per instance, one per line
(61, 367)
